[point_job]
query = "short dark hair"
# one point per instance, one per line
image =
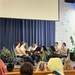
(56, 42)
(17, 43)
(64, 43)
(10, 67)
(26, 69)
(22, 42)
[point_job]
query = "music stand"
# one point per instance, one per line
(38, 49)
(52, 48)
(44, 48)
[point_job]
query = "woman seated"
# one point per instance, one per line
(17, 50)
(68, 65)
(2, 68)
(41, 66)
(26, 69)
(64, 49)
(55, 66)
(20, 52)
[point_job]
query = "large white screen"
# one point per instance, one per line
(29, 9)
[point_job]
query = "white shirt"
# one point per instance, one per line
(35, 47)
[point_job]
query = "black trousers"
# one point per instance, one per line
(27, 59)
(53, 56)
(36, 58)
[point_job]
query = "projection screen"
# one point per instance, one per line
(29, 9)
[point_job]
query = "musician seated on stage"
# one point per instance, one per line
(64, 49)
(35, 54)
(57, 49)
(53, 53)
(17, 49)
(52, 49)
(22, 48)
(34, 46)
(20, 52)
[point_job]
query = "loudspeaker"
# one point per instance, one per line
(70, 1)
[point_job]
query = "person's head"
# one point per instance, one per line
(17, 44)
(63, 44)
(23, 43)
(41, 66)
(35, 45)
(55, 64)
(56, 44)
(2, 68)
(68, 65)
(26, 69)
(10, 67)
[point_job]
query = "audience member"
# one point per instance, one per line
(55, 66)
(41, 66)
(57, 48)
(64, 49)
(10, 67)
(26, 69)
(2, 68)
(68, 65)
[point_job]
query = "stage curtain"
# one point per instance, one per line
(39, 32)
(10, 32)
(30, 31)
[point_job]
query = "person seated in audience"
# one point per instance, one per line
(26, 69)
(2, 68)
(22, 48)
(64, 49)
(10, 67)
(17, 49)
(57, 48)
(68, 65)
(41, 66)
(55, 66)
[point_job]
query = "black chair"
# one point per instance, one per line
(18, 60)
(64, 58)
